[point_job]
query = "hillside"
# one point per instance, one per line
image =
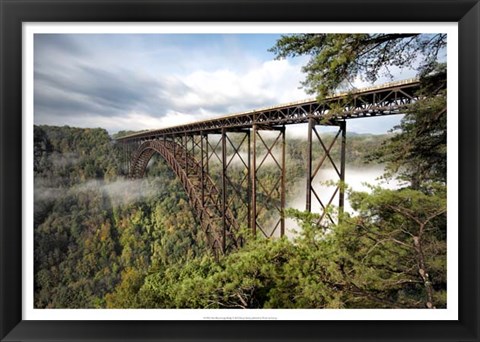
(102, 240)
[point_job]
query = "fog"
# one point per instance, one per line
(122, 191)
(127, 191)
(119, 192)
(63, 160)
(356, 179)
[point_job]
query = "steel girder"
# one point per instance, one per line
(323, 158)
(268, 182)
(221, 162)
(392, 98)
(214, 207)
(222, 176)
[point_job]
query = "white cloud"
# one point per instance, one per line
(148, 82)
(225, 91)
(133, 121)
(136, 82)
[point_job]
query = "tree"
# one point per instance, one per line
(337, 59)
(418, 152)
(403, 238)
(392, 253)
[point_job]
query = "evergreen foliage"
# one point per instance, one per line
(338, 59)
(418, 153)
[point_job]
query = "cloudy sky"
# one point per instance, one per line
(148, 81)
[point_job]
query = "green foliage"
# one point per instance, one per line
(103, 243)
(337, 59)
(369, 260)
(248, 278)
(418, 152)
(396, 246)
(96, 234)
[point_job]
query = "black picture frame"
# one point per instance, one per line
(14, 12)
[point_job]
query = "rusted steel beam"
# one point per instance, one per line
(282, 195)
(388, 99)
(253, 173)
(185, 150)
(249, 186)
(202, 167)
(339, 171)
(341, 203)
(209, 214)
(224, 190)
(308, 193)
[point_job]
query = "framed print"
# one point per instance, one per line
(239, 170)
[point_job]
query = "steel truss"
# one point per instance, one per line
(205, 197)
(389, 99)
(268, 195)
(235, 176)
(324, 156)
(236, 180)
(222, 175)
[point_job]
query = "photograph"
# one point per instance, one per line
(248, 171)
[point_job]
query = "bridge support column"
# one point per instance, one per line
(203, 146)
(253, 215)
(129, 157)
(341, 202)
(308, 199)
(174, 140)
(124, 156)
(282, 190)
(235, 185)
(224, 190)
(211, 208)
(129, 150)
(185, 150)
(311, 172)
(249, 181)
(126, 161)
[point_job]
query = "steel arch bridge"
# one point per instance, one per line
(222, 163)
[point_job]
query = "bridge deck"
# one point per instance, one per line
(386, 99)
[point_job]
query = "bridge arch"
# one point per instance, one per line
(203, 194)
